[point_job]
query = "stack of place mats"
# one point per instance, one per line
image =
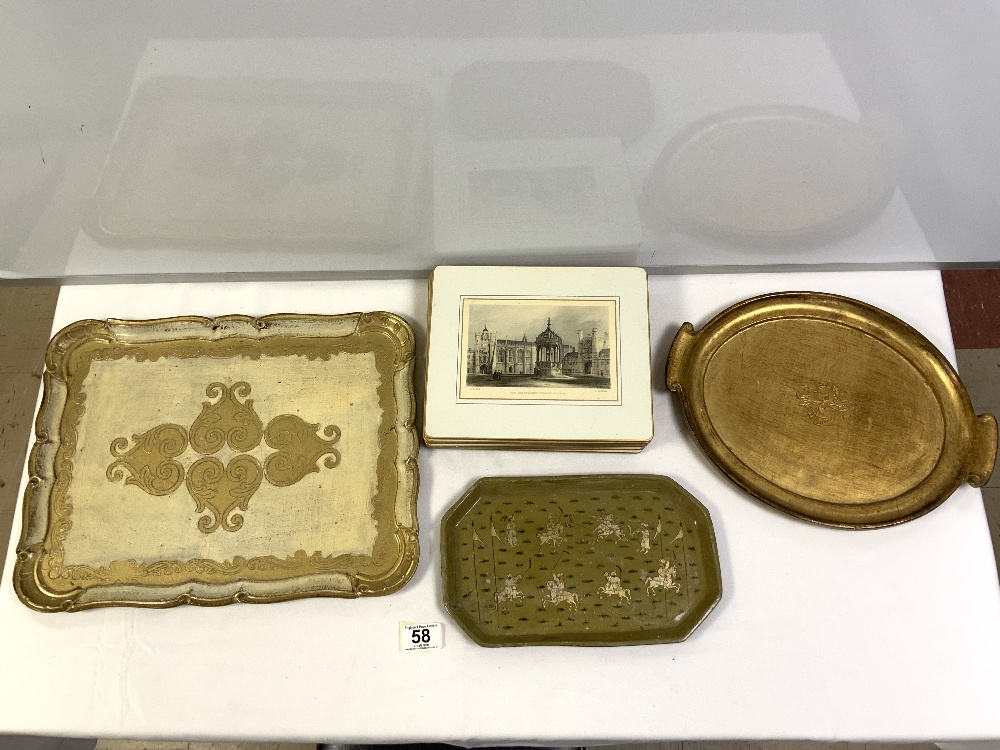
(595, 446)
(538, 359)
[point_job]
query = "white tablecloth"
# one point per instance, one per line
(821, 633)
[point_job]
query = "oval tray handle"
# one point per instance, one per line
(983, 451)
(678, 354)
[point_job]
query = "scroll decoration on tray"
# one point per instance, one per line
(216, 487)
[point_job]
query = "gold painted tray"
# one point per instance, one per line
(830, 409)
(603, 560)
(198, 461)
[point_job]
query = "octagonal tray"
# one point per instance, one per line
(208, 461)
(598, 560)
(830, 409)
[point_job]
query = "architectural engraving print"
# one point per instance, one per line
(558, 349)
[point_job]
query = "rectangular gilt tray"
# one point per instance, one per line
(209, 461)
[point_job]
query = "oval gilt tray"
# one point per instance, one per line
(579, 560)
(830, 409)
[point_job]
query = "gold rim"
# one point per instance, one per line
(965, 452)
(42, 580)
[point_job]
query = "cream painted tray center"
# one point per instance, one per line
(189, 460)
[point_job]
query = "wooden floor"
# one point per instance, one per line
(135, 745)
(25, 321)
(25, 325)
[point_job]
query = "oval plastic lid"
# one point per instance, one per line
(771, 175)
(830, 409)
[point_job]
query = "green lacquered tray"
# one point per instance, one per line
(597, 560)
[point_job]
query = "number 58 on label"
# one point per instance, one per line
(420, 636)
